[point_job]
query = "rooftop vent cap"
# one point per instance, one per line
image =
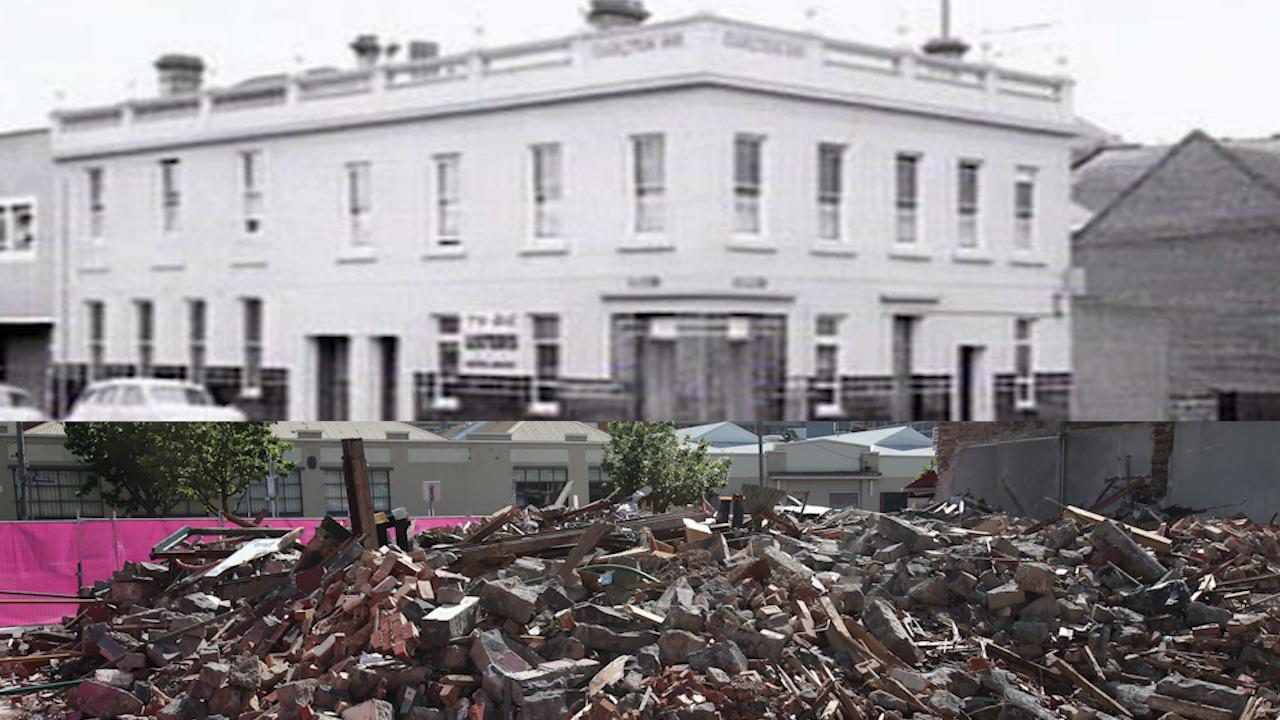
(947, 47)
(607, 14)
(367, 49)
(179, 74)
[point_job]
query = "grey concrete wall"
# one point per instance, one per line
(1226, 467)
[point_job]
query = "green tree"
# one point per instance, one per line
(649, 454)
(147, 468)
(129, 463)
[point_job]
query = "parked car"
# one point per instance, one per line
(149, 399)
(16, 405)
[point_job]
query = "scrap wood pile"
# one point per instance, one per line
(954, 613)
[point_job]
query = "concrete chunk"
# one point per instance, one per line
(99, 700)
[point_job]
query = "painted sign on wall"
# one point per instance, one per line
(491, 343)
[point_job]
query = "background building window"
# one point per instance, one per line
(198, 336)
(252, 186)
(649, 161)
(546, 342)
(146, 336)
(17, 226)
(538, 486)
(967, 206)
(253, 327)
(52, 494)
(1024, 383)
(748, 184)
(360, 200)
(908, 199)
(548, 190)
(838, 500)
(830, 191)
(335, 491)
(288, 497)
(1025, 209)
(448, 200)
(599, 484)
(96, 311)
(170, 194)
(96, 179)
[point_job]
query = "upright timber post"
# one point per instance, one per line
(359, 497)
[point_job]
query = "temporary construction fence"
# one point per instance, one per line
(60, 556)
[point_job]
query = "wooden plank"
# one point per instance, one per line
(355, 473)
(1150, 540)
(586, 543)
(492, 524)
(1090, 689)
(1188, 709)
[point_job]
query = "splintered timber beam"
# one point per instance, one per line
(355, 473)
(1152, 541)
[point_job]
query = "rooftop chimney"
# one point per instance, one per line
(367, 49)
(179, 74)
(952, 48)
(606, 14)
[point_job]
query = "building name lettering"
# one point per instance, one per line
(624, 47)
(764, 44)
(491, 343)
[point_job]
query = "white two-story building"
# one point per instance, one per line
(683, 220)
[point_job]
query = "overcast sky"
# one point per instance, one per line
(1149, 70)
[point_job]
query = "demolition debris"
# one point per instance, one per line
(602, 612)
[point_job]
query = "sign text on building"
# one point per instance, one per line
(491, 343)
(765, 44)
(623, 47)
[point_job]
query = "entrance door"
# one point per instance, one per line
(972, 394)
(333, 355)
(696, 368)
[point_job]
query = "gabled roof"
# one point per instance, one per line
(887, 442)
(1105, 180)
(336, 430)
(720, 433)
(556, 431)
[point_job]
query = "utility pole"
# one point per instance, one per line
(271, 484)
(22, 472)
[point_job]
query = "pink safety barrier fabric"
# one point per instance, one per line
(56, 556)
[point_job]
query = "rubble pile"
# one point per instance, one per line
(945, 613)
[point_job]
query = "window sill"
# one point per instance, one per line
(911, 254)
(445, 253)
(831, 249)
(545, 247)
(94, 269)
(972, 256)
(647, 244)
(248, 264)
(1028, 261)
(752, 244)
(357, 255)
(168, 267)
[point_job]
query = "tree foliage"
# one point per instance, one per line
(145, 469)
(644, 454)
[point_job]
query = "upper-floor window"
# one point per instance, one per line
(253, 341)
(146, 336)
(359, 200)
(1024, 214)
(17, 226)
(448, 176)
(908, 198)
(170, 194)
(967, 194)
(96, 187)
(649, 161)
(252, 188)
(830, 191)
(548, 189)
(748, 184)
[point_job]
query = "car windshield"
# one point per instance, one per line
(180, 396)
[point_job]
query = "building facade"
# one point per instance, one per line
(1179, 317)
(425, 473)
(28, 261)
(683, 220)
(869, 470)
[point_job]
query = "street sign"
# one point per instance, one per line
(41, 480)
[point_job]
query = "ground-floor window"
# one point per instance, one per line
(599, 484)
(843, 500)
(335, 491)
(538, 486)
(288, 497)
(55, 495)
